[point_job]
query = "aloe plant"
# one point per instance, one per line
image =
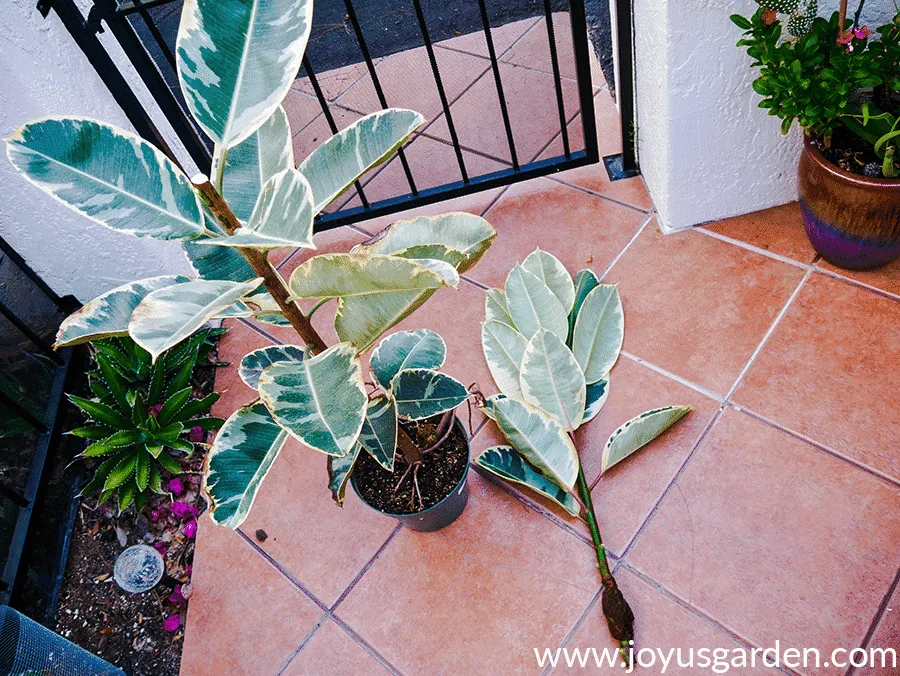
(236, 60)
(550, 343)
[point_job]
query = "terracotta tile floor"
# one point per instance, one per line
(769, 514)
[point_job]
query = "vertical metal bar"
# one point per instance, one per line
(314, 81)
(420, 15)
(160, 40)
(557, 80)
(495, 66)
(625, 88)
(585, 85)
(351, 14)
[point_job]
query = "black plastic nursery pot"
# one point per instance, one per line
(439, 515)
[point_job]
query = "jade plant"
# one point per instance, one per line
(236, 62)
(550, 343)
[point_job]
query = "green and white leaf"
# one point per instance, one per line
(439, 252)
(540, 439)
(338, 162)
(110, 175)
(552, 381)
(553, 273)
(457, 230)
(599, 332)
(379, 431)
(241, 456)
(419, 349)
(495, 309)
(339, 470)
(251, 163)
(282, 217)
(167, 316)
(320, 400)
(532, 305)
(237, 60)
(108, 315)
(595, 397)
(254, 363)
(423, 393)
(488, 408)
(506, 463)
(638, 432)
(217, 262)
(585, 282)
(503, 348)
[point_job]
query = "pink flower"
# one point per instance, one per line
(196, 433)
(190, 528)
(154, 410)
(175, 486)
(177, 597)
(172, 622)
(161, 548)
(189, 569)
(182, 510)
(862, 32)
(845, 38)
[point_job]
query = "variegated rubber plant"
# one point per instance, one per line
(550, 343)
(236, 61)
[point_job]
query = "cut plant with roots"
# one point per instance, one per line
(236, 61)
(550, 343)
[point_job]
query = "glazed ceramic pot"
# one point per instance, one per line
(853, 221)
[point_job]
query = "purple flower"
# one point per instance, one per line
(183, 510)
(862, 32)
(196, 433)
(154, 410)
(189, 569)
(190, 528)
(177, 597)
(161, 548)
(175, 486)
(172, 622)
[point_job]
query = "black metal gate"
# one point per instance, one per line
(354, 36)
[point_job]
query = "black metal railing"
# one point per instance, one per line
(146, 29)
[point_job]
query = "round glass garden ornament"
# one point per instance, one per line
(138, 569)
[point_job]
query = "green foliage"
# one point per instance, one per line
(817, 76)
(141, 411)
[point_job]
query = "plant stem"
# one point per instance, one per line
(259, 261)
(843, 16)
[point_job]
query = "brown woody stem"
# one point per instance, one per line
(842, 16)
(259, 261)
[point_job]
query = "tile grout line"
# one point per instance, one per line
(349, 588)
(306, 639)
(593, 603)
(678, 379)
(627, 246)
(258, 329)
(879, 617)
(365, 645)
(856, 282)
(751, 247)
(562, 181)
(481, 31)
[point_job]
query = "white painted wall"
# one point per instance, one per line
(705, 149)
(43, 72)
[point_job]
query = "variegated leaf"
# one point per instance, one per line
(585, 282)
(339, 161)
(495, 308)
(540, 439)
(599, 331)
(552, 381)
(254, 363)
(549, 270)
(167, 316)
(241, 456)
(503, 348)
(506, 463)
(379, 431)
(440, 252)
(217, 262)
(108, 315)
(282, 217)
(320, 400)
(532, 305)
(488, 408)
(423, 393)
(458, 230)
(110, 175)
(237, 60)
(339, 471)
(250, 164)
(638, 432)
(596, 395)
(419, 349)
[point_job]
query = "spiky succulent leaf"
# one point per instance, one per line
(112, 176)
(423, 393)
(595, 397)
(113, 443)
(553, 273)
(552, 381)
(320, 400)
(506, 463)
(122, 471)
(638, 432)
(101, 413)
(167, 316)
(532, 305)
(254, 363)
(108, 315)
(237, 60)
(173, 405)
(240, 458)
(339, 470)
(503, 348)
(339, 161)
(419, 349)
(599, 332)
(379, 431)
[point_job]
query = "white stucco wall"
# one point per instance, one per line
(705, 149)
(43, 72)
